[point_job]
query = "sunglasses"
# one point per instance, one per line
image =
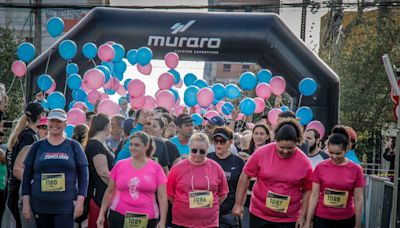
(195, 151)
(42, 127)
(220, 141)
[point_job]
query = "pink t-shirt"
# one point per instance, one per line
(136, 189)
(284, 176)
(180, 185)
(337, 177)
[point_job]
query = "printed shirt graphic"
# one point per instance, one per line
(136, 189)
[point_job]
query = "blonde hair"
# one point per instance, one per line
(21, 125)
(200, 137)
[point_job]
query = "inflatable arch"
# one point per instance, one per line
(261, 38)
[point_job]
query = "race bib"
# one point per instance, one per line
(53, 182)
(200, 199)
(277, 202)
(335, 198)
(134, 220)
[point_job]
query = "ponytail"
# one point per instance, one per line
(21, 125)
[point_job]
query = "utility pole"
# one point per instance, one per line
(304, 20)
(38, 27)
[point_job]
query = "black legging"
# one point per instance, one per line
(116, 220)
(54, 220)
(329, 223)
(256, 222)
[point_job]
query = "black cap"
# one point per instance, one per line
(183, 118)
(224, 132)
(34, 109)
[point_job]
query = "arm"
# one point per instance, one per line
(359, 204)
(18, 169)
(304, 206)
(83, 180)
(222, 198)
(240, 197)
(105, 203)
(312, 203)
(177, 160)
(101, 167)
(163, 202)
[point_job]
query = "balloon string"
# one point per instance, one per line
(12, 84)
(94, 63)
(22, 88)
(269, 104)
(66, 79)
(48, 61)
(301, 96)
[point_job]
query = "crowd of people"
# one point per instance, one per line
(153, 169)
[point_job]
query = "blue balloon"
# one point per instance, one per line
(119, 52)
(144, 55)
(175, 92)
(109, 91)
(105, 70)
(232, 91)
(69, 130)
(44, 82)
(307, 86)
(131, 56)
(227, 108)
(128, 97)
(197, 119)
(219, 91)
(79, 95)
(305, 115)
(89, 50)
(67, 49)
(56, 100)
(55, 26)
(26, 52)
(190, 96)
(108, 65)
(90, 107)
(71, 104)
(119, 76)
(177, 76)
(247, 106)
(44, 104)
(264, 75)
(189, 79)
(248, 81)
(72, 68)
(119, 67)
(203, 111)
(285, 108)
(215, 101)
(74, 81)
(126, 82)
(200, 83)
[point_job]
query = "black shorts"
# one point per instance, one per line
(256, 222)
(330, 223)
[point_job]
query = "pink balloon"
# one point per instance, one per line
(104, 96)
(197, 109)
(94, 78)
(165, 99)
(137, 103)
(76, 116)
(219, 106)
(171, 59)
(80, 105)
(146, 70)
(149, 103)
(121, 91)
(240, 116)
(250, 126)
(52, 88)
(106, 52)
(179, 84)
(18, 68)
(166, 81)
(108, 107)
(210, 114)
(179, 110)
(114, 84)
(136, 88)
(278, 85)
(318, 126)
(94, 96)
(84, 87)
(273, 116)
(177, 102)
(260, 105)
(263, 90)
(205, 97)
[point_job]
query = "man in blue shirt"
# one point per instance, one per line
(184, 125)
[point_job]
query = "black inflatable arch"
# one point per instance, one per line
(261, 38)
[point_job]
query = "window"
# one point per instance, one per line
(245, 67)
(227, 67)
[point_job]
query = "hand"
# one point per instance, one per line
(244, 156)
(100, 221)
(27, 212)
(300, 222)
(161, 225)
(78, 211)
(307, 225)
(278, 101)
(235, 114)
(237, 211)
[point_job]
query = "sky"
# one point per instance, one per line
(291, 16)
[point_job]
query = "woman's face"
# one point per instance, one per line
(56, 127)
(137, 147)
(156, 129)
(170, 131)
(285, 148)
(198, 151)
(336, 153)
(260, 136)
(221, 145)
(42, 131)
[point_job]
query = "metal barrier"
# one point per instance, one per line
(378, 201)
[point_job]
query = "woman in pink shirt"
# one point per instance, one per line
(196, 187)
(132, 188)
(337, 192)
(284, 176)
